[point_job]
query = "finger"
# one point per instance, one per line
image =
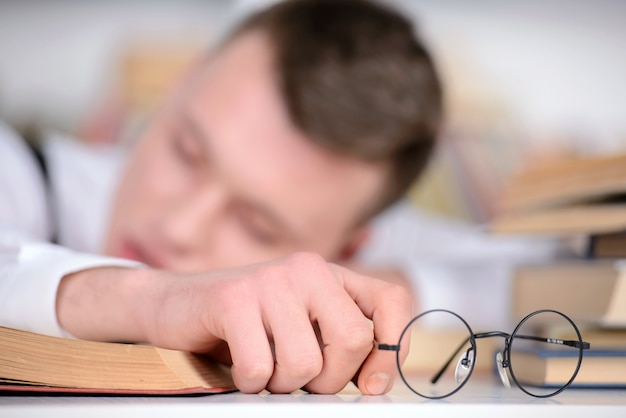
(297, 350)
(250, 350)
(389, 307)
(347, 338)
(221, 354)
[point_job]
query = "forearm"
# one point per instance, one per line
(30, 273)
(138, 305)
(108, 303)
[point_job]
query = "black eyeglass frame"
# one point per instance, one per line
(506, 363)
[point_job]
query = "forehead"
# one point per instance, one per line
(259, 153)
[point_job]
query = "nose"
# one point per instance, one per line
(186, 223)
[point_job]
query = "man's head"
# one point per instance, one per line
(310, 118)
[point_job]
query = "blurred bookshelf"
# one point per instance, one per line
(525, 82)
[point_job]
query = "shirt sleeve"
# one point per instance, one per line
(23, 203)
(30, 273)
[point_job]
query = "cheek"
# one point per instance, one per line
(154, 176)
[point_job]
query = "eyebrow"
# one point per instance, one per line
(193, 127)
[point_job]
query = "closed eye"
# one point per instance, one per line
(187, 149)
(256, 226)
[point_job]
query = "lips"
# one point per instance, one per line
(134, 251)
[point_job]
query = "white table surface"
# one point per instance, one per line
(479, 398)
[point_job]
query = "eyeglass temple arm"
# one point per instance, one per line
(441, 371)
(570, 343)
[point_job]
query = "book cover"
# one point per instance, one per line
(551, 368)
(565, 182)
(590, 292)
(571, 220)
(612, 245)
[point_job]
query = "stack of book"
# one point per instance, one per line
(582, 201)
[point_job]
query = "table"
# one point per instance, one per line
(482, 397)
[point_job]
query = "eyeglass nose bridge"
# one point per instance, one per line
(466, 362)
(501, 357)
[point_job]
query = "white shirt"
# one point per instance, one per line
(452, 265)
(31, 268)
(455, 265)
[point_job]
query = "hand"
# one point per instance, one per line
(289, 323)
(389, 274)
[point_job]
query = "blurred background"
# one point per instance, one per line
(525, 81)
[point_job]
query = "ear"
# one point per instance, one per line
(354, 243)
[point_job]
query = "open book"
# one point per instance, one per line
(34, 362)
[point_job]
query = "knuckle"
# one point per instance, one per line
(274, 282)
(326, 387)
(397, 295)
(269, 275)
(233, 295)
(255, 372)
(303, 259)
(304, 366)
(358, 339)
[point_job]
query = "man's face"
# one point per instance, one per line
(222, 177)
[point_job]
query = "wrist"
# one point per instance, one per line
(107, 304)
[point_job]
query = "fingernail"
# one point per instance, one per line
(377, 383)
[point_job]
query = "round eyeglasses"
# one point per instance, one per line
(525, 349)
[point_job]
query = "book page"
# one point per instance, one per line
(195, 370)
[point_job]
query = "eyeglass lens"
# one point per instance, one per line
(437, 338)
(544, 366)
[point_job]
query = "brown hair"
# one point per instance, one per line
(357, 81)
